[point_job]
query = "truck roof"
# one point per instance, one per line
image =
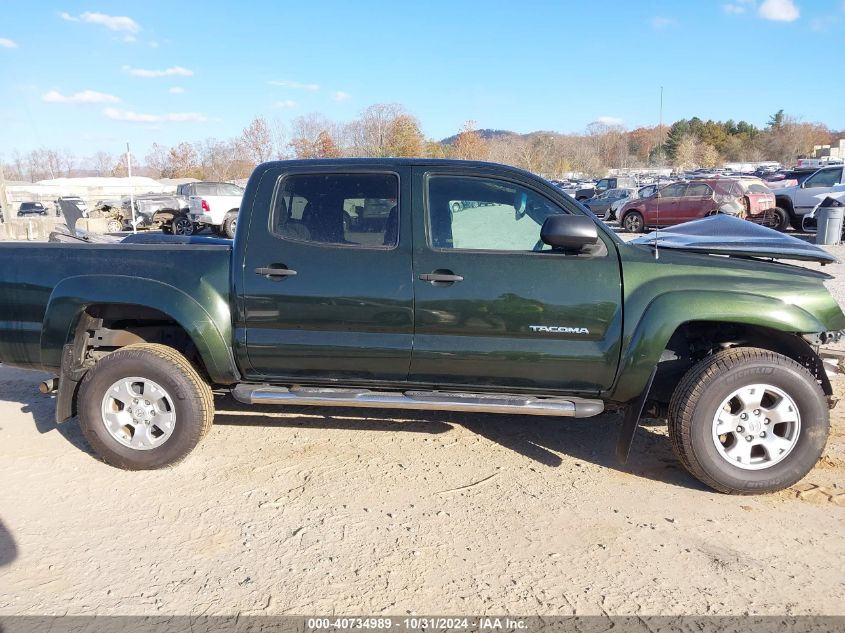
(408, 162)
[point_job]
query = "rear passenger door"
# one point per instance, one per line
(325, 292)
(696, 202)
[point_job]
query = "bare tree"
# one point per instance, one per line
(369, 135)
(183, 161)
(102, 162)
(218, 159)
(256, 141)
(158, 160)
(310, 135)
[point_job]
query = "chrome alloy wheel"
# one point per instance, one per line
(756, 427)
(138, 413)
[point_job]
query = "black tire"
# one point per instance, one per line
(706, 386)
(193, 405)
(633, 222)
(182, 225)
(781, 219)
(230, 225)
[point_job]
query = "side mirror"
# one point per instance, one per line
(569, 232)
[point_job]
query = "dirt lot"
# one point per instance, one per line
(359, 512)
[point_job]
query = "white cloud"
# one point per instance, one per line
(779, 10)
(733, 9)
(111, 22)
(176, 90)
(287, 103)
(660, 23)
(5, 42)
(138, 117)
(609, 120)
(86, 96)
(295, 85)
(341, 96)
(175, 71)
(154, 44)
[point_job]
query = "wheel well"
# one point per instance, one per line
(108, 327)
(786, 204)
(695, 340)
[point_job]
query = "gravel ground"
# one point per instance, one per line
(360, 512)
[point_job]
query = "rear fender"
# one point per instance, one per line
(73, 295)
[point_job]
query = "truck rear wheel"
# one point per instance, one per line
(748, 421)
(230, 224)
(144, 407)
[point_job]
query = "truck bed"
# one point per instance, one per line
(33, 275)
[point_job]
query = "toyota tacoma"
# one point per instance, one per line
(521, 303)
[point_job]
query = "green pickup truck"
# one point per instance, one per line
(519, 302)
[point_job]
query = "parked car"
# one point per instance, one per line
(214, 204)
(76, 200)
(797, 200)
(602, 203)
(31, 208)
(159, 211)
(684, 201)
(514, 306)
(587, 192)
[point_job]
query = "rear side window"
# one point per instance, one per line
(757, 188)
(698, 190)
(226, 189)
(205, 189)
(342, 209)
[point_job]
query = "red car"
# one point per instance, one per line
(685, 201)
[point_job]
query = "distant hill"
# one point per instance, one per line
(486, 134)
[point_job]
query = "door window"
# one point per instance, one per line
(824, 178)
(473, 213)
(343, 209)
(698, 190)
(673, 191)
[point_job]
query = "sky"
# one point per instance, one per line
(91, 75)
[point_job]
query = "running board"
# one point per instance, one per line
(427, 400)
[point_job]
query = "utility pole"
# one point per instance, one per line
(131, 188)
(4, 201)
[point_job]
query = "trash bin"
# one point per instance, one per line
(829, 216)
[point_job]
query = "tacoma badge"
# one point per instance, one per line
(559, 329)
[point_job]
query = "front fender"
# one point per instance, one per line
(210, 331)
(671, 310)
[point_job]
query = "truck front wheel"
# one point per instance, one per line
(230, 225)
(144, 407)
(748, 421)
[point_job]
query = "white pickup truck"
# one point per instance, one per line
(214, 204)
(799, 199)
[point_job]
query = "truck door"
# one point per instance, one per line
(325, 291)
(494, 306)
(805, 195)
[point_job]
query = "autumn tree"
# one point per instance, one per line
(404, 137)
(312, 137)
(469, 145)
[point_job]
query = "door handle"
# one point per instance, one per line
(441, 278)
(275, 272)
